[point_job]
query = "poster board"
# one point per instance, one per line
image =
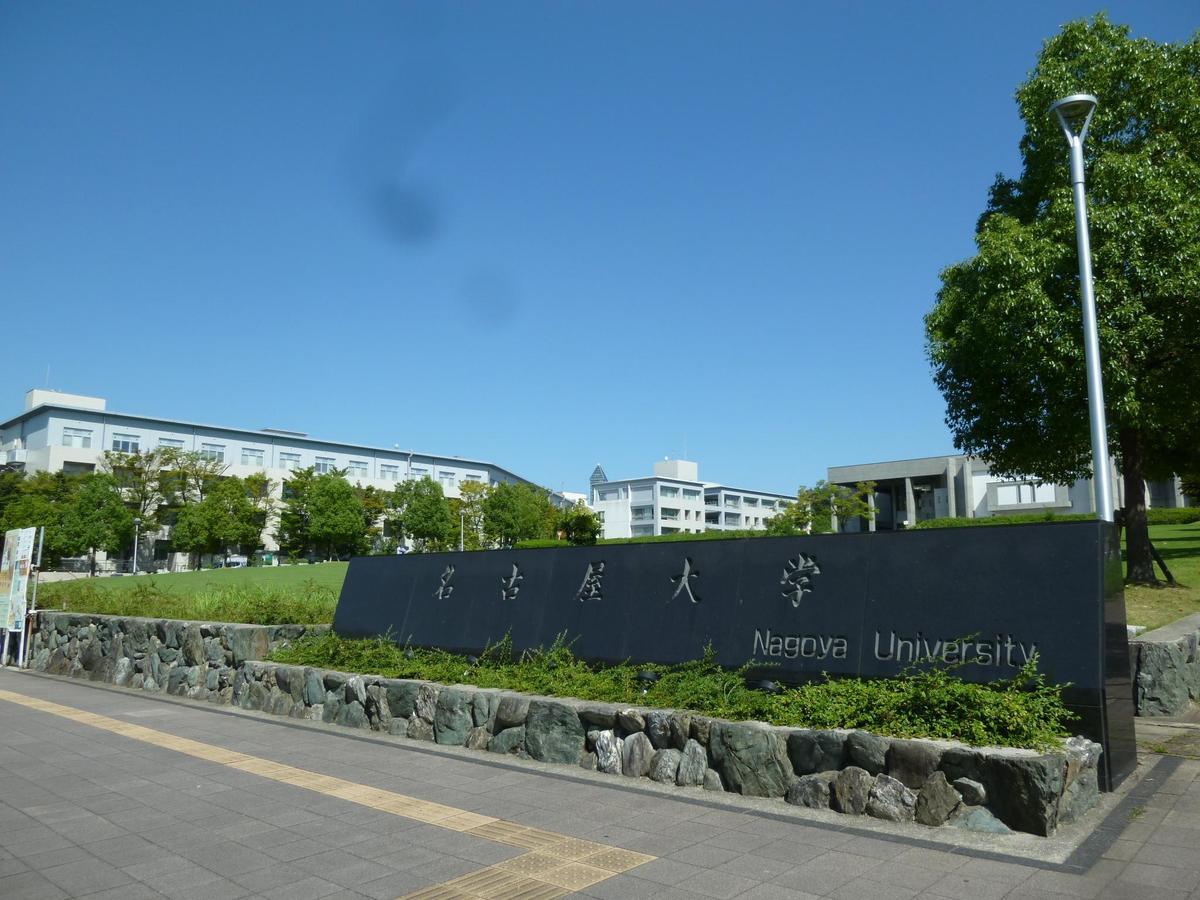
(15, 566)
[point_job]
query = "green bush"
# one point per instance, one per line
(1026, 519)
(931, 703)
(650, 539)
(1185, 516)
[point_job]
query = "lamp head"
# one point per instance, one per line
(1074, 114)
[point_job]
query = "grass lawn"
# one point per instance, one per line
(267, 595)
(1155, 607)
(184, 584)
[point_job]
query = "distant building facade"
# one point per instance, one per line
(675, 501)
(60, 432)
(937, 487)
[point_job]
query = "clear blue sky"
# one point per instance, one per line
(545, 234)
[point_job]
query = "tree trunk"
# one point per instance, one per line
(1139, 559)
(92, 563)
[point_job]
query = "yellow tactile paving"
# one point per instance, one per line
(555, 865)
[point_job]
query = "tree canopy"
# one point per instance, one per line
(1005, 336)
(517, 512)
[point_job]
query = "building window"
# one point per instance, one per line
(125, 443)
(359, 469)
(733, 500)
(712, 518)
(768, 504)
(77, 437)
(642, 513)
(471, 476)
(642, 530)
(600, 517)
(324, 465)
(665, 490)
(670, 514)
(670, 530)
(252, 456)
(78, 468)
(752, 501)
(171, 443)
(609, 495)
(1013, 493)
(389, 472)
(448, 479)
(690, 494)
(214, 452)
(419, 472)
(733, 519)
(711, 500)
(289, 461)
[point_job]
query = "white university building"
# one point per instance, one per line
(69, 433)
(674, 500)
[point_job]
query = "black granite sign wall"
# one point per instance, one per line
(866, 604)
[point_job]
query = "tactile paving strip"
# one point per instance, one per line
(556, 864)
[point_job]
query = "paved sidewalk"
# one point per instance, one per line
(110, 793)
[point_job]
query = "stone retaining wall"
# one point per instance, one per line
(853, 772)
(1166, 668)
(194, 659)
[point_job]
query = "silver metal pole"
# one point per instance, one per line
(137, 524)
(462, 530)
(1101, 475)
(37, 570)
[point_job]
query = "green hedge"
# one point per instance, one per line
(650, 539)
(1186, 516)
(1003, 520)
(931, 703)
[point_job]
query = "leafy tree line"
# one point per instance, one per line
(209, 512)
(323, 514)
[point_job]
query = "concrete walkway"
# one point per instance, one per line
(111, 793)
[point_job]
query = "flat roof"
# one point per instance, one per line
(257, 432)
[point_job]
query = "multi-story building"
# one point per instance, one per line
(673, 500)
(60, 432)
(935, 487)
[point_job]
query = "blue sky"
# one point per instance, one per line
(544, 234)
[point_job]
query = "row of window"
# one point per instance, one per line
(256, 456)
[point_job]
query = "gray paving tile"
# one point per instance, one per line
(722, 885)
(85, 876)
(32, 886)
(960, 887)
(866, 889)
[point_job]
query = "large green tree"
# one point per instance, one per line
(337, 521)
(420, 511)
(231, 516)
(518, 512)
(96, 518)
(41, 500)
(816, 507)
(579, 525)
(1005, 337)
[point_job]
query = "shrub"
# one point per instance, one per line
(932, 703)
(1184, 516)
(1024, 519)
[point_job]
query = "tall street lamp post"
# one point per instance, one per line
(1074, 114)
(137, 524)
(462, 529)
